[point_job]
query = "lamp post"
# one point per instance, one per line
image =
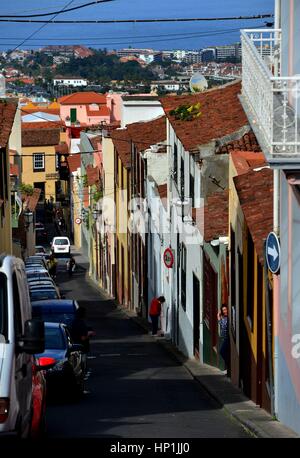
(28, 216)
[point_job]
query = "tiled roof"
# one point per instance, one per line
(82, 98)
(62, 148)
(41, 125)
(244, 160)
(14, 170)
(148, 133)
(32, 136)
(221, 114)
(255, 191)
(95, 141)
(247, 142)
(7, 117)
(122, 142)
(163, 194)
(74, 162)
(103, 111)
(216, 216)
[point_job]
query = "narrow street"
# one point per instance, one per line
(135, 389)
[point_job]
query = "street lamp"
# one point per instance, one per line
(182, 208)
(28, 215)
(96, 213)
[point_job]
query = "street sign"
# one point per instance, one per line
(273, 252)
(168, 258)
(78, 220)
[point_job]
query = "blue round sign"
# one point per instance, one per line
(273, 252)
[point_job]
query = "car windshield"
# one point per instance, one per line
(3, 306)
(54, 339)
(42, 295)
(61, 242)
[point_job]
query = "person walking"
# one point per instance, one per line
(81, 333)
(155, 311)
(224, 334)
(71, 264)
(52, 265)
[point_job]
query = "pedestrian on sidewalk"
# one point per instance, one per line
(224, 334)
(155, 311)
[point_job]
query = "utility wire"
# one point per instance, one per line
(64, 10)
(136, 21)
(42, 27)
(179, 37)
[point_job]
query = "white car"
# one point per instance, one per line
(61, 245)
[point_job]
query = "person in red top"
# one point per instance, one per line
(154, 312)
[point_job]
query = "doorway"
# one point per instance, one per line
(196, 315)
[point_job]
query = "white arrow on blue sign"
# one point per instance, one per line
(273, 252)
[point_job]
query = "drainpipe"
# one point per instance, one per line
(276, 229)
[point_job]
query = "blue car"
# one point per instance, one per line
(55, 310)
(66, 377)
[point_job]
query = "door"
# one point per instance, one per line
(41, 185)
(196, 315)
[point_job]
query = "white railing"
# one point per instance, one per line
(272, 101)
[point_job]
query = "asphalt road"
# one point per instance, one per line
(135, 388)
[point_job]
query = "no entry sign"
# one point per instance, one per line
(168, 258)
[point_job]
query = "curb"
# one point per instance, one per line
(245, 412)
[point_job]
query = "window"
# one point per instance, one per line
(175, 162)
(3, 305)
(38, 162)
(192, 190)
(17, 308)
(182, 177)
(183, 277)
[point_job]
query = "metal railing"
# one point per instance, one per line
(272, 101)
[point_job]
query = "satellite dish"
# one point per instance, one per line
(198, 83)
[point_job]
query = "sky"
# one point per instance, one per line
(115, 36)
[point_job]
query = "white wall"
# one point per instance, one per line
(139, 110)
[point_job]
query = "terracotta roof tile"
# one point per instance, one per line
(44, 136)
(103, 111)
(14, 170)
(122, 142)
(255, 191)
(221, 114)
(62, 148)
(74, 162)
(83, 98)
(148, 133)
(41, 125)
(244, 160)
(163, 193)
(247, 142)
(216, 216)
(7, 117)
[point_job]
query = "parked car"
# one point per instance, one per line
(39, 250)
(43, 293)
(40, 232)
(39, 393)
(55, 311)
(61, 246)
(20, 337)
(67, 375)
(33, 260)
(37, 273)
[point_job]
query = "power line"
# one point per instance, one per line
(64, 10)
(178, 37)
(136, 21)
(40, 28)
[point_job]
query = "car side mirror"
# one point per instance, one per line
(33, 340)
(76, 347)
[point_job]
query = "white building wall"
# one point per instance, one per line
(139, 110)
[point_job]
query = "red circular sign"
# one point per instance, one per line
(78, 220)
(168, 258)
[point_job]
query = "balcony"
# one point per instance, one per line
(271, 102)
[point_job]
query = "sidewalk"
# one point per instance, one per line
(256, 420)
